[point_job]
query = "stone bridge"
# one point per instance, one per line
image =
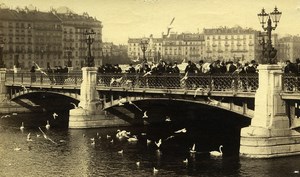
(270, 99)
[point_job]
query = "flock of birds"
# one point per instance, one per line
(133, 138)
(121, 135)
(127, 136)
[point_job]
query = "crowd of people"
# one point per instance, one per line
(162, 67)
(57, 75)
(153, 74)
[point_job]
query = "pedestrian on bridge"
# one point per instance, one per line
(32, 74)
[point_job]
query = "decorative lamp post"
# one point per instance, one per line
(265, 18)
(90, 36)
(144, 45)
(261, 40)
(2, 65)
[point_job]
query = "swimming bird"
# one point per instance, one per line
(145, 116)
(193, 149)
(217, 153)
(54, 115)
(112, 141)
(108, 136)
(132, 139)
(148, 142)
(22, 127)
(181, 131)
(92, 139)
(138, 163)
(155, 170)
(144, 134)
(168, 119)
(17, 149)
(186, 161)
(120, 151)
(29, 137)
(93, 143)
(47, 125)
(158, 143)
(296, 172)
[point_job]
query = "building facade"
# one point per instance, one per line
(46, 38)
(288, 48)
(153, 49)
(225, 44)
(183, 47)
(231, 44)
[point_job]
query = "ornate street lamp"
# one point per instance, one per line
(90, 36)
(144, 45)
(270, 51)
(2, 65)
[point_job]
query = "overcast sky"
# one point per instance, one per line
(122, 19)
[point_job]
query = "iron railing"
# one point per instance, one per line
(220, 82)
(44, 79)
(291, 83)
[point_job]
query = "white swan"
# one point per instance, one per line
(217, 153)
(155, 170)
(54, 115)
(186, 161)
(120, 151)
(138, 163)
(29, 137)
(193, 149)
(47, 125)
(22, 127)
(132, 139)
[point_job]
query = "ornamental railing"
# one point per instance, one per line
(216, 82)
(37, 78)
(291, 83)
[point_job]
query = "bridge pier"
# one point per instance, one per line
(3, 89)
(89, 112)
(269, 134)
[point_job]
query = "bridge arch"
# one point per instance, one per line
(231, 107)
(21, 93)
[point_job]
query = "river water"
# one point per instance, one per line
(72, 153)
